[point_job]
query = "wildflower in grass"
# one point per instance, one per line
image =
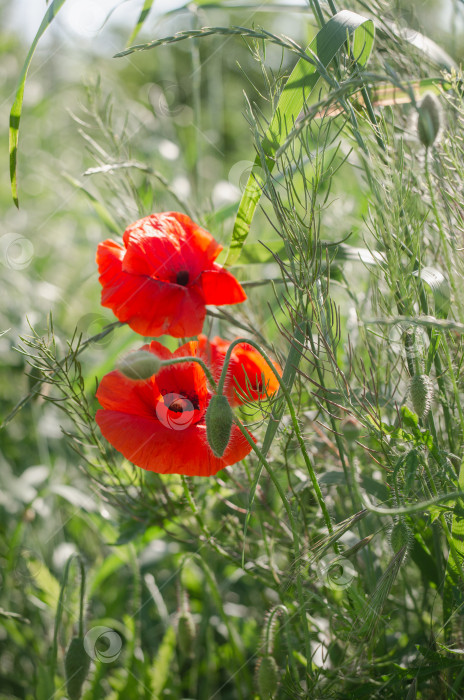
(249, 376)
(164, 276)
(159, 423)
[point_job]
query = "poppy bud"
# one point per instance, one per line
(219, 419)
(421, 390)
(428, 124)
(400, 536)
(186, 633)
(76, 665)
(351, 428)
(267, 677)
(140, 364)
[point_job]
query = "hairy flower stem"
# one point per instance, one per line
(296, 544)
(208, 535)
(190, 358)
(291, 408)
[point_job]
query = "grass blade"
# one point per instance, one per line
(145, 11)
(15, 114)
(299, 86)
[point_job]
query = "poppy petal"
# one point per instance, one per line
(197, 237)
(162, 244)
(160, 282)
(150, 307)
(220, 287)
(137, 397)
(150, 445)
(248, 374)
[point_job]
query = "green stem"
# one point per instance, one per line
(455, 386)
(291, 409)
(59, 615)
(190, 358)
(81, 599)
(443, 239)
(296, 545)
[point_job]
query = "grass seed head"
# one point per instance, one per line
(421, 390)
(186, 633)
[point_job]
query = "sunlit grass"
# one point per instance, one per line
(329, 562)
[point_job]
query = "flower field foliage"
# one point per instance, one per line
(232, 326)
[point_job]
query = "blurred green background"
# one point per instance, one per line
(84, 109)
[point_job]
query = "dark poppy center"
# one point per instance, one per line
(184, 403)
(182, 277)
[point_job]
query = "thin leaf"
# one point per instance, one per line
(147, 5)
(100, 209)
(15, 114)
(424, 44)
(298, 88)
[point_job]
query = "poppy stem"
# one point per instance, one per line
(296, 544)
(189, 358)
(291, 408)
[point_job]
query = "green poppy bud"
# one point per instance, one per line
(421, 390)
(186, 633)
(140, 364)
(351, 428)
(400, 536)
(76, 665)
(219, 419)
(428, 124)
(267, 677)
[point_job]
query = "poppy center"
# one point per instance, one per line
(184, 403)
(182, 277)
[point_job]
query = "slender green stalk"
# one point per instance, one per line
(295, 534)
(190, 358)
(455, 386)
(291, 408)
(443, 238)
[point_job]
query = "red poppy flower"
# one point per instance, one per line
(159, 423)
(163, 277)
(249, 377)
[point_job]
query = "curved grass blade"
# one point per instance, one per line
(424, 44)
(298, 88)
(145, 11)
(100, 209)
(15, 114)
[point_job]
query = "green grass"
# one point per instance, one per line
(330, 562)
